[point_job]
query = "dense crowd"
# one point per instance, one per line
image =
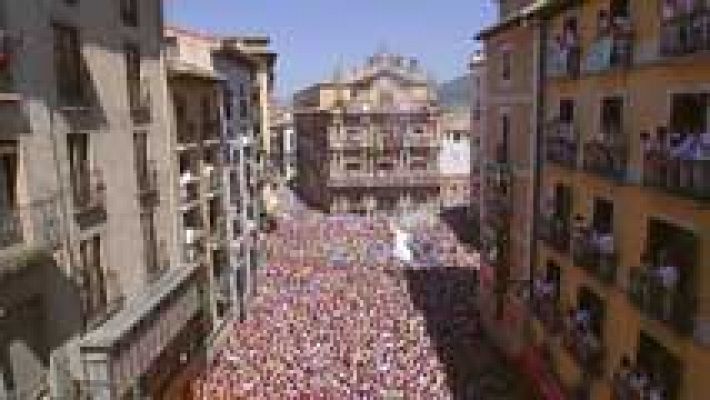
(336, 318)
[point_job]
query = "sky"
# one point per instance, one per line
(313, 36)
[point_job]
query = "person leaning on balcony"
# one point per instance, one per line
(621, 380)
(668, 276)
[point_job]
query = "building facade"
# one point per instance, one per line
(507, 165)
(283, 143)
(625, 226)
(455, 158)
(88, 267)
(216, 111)
(477, 71)
(368, 140)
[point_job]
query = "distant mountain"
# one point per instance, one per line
(455, 93)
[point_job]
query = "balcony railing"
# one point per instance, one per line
(89, 197)
(585, 347)
(611, 50)
(385, 178)
(686, 34)
(606, 158)
(561, 145)
(687, 176)
(564, 61)
(418, 140)
(555, 231)
(657, 301)
(596, 253)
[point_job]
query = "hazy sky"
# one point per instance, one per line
(311, 36)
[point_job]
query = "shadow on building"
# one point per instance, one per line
(464, 226)
(39, 313)
(447, 298)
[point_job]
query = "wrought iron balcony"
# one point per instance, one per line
(564, 61)
(613, 49)
(555, 231)
(685, 176)
(89, 197)
(561, 145)
(686, 34)
(606, 158)
(674, 307)
(595, 253)
(586, 348)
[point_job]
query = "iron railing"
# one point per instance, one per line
(561, 145)
(606, 158)
(686, 34)
(590, 253)
(675, 307)
(684, 177)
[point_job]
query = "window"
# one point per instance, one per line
(8, 173)
(147, 221)
(689, 113)
(243, 108)
(566, 110)
(228, 98)
(457, 136)
(502, 151)
(129, 12)
(78, 148)
(133, 75)
(68, 65)
(612, 115)
(506, 65)
(93, 295)
(140, 155)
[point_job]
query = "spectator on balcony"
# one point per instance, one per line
(621, 380)
(656, 389)
(638, 383)
(668, 277)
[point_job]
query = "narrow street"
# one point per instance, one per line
(338, 318)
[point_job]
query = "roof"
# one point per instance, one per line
(184, 68)
(138, 308)
(528, 11)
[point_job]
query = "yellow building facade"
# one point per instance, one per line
(624, 210)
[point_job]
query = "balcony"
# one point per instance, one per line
(585, 347)
(686, 34)
(101, 313)
(420, 140)
(563, 61)
(687, 176)
(139, 98)
(606, 158)
(612, 50)
(595, 252)
(676, 308)
(89, 198)
(561, 145)
(211, 132)
(148, 184)
(186, 136)
(555, 231)
(392, 178)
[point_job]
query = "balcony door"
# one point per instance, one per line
(78, 148)
(661, 363)
(8, 175)
(612, 118)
